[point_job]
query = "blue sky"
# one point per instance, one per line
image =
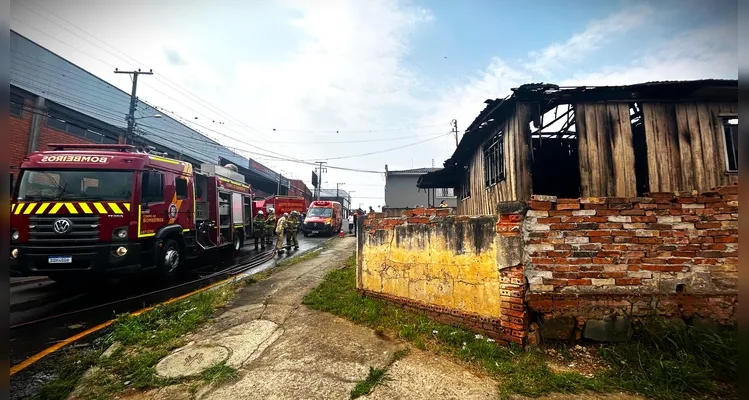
(311, 68)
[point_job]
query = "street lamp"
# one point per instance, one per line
(150, 116)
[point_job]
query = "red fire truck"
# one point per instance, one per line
(81, 211)
(281, 204)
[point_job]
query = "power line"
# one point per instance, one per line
(178, 88)
(218, 146)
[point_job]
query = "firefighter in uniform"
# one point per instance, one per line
(258, 228)
(292, 228)
(270, 226)
(280, 227)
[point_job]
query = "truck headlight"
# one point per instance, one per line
(14, 235)
(121, 251)
(120, 233)
(14, 253)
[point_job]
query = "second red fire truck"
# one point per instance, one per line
(90, 210)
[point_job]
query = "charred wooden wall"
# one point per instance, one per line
(686, 148)
(606, 154)
(517, 182)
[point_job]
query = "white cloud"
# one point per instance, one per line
(582, 44)
(346, 70)
(710, 52)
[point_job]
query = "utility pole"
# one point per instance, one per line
(455, 130)
(337, 192)
(319, 178)
(131, 114)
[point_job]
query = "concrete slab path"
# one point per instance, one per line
(284, 350)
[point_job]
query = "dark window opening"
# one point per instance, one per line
(152, 188)
(494, 160)
(731, 138)
(640, 147)
(555, 170)
(16, 105)
(180, 185)
(75, 128)
(58, 124)
(555, 167)
(465, 189)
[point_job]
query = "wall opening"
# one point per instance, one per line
(639, 144)
(555, 170)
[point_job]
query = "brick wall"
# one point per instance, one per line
(671, 253)
(49, 135)
(20, 130)
(449, 267)
(559, 266)
(19, 136)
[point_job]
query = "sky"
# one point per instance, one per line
(362, 83)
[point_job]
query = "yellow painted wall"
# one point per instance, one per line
(425, 266)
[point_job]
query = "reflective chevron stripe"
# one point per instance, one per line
(108, 208)
(115, 208)
(100, 208)
(41, 208)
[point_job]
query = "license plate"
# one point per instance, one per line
(314, 232)
(60, 260)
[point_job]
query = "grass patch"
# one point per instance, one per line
(674, 362)
(145, 339)
(219, 373)
(375, 377)
(71, 367)
(681, 364)
(296, 260)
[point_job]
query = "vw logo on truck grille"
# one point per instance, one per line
(62, 226)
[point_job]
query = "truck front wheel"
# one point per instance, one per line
(237, 241)
(170, 259)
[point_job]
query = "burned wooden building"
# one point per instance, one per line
(606, 141)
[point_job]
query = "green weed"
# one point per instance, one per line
(219, 373)
(690, 362)
(146, 339)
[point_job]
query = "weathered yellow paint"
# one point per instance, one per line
(424, 268)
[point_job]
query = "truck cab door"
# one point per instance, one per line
(183, 202)
(152, 211)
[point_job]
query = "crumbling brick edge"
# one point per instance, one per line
(488, 326)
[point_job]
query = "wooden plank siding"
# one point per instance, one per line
(606, 154)
(517, 182)
(686, 146)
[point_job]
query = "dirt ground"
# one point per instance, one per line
(284, 350)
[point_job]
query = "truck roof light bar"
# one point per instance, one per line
(120, 147)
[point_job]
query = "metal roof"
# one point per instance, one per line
(414, 171)
(332, 193)
(43, 73)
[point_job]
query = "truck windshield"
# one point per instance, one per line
(75, 185)
(320, 212)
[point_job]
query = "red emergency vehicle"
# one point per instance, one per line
(88, 210)
(323, 217)
(280, 205)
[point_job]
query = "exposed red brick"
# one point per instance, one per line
(539, 205)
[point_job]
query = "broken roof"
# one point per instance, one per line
(550, 95)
